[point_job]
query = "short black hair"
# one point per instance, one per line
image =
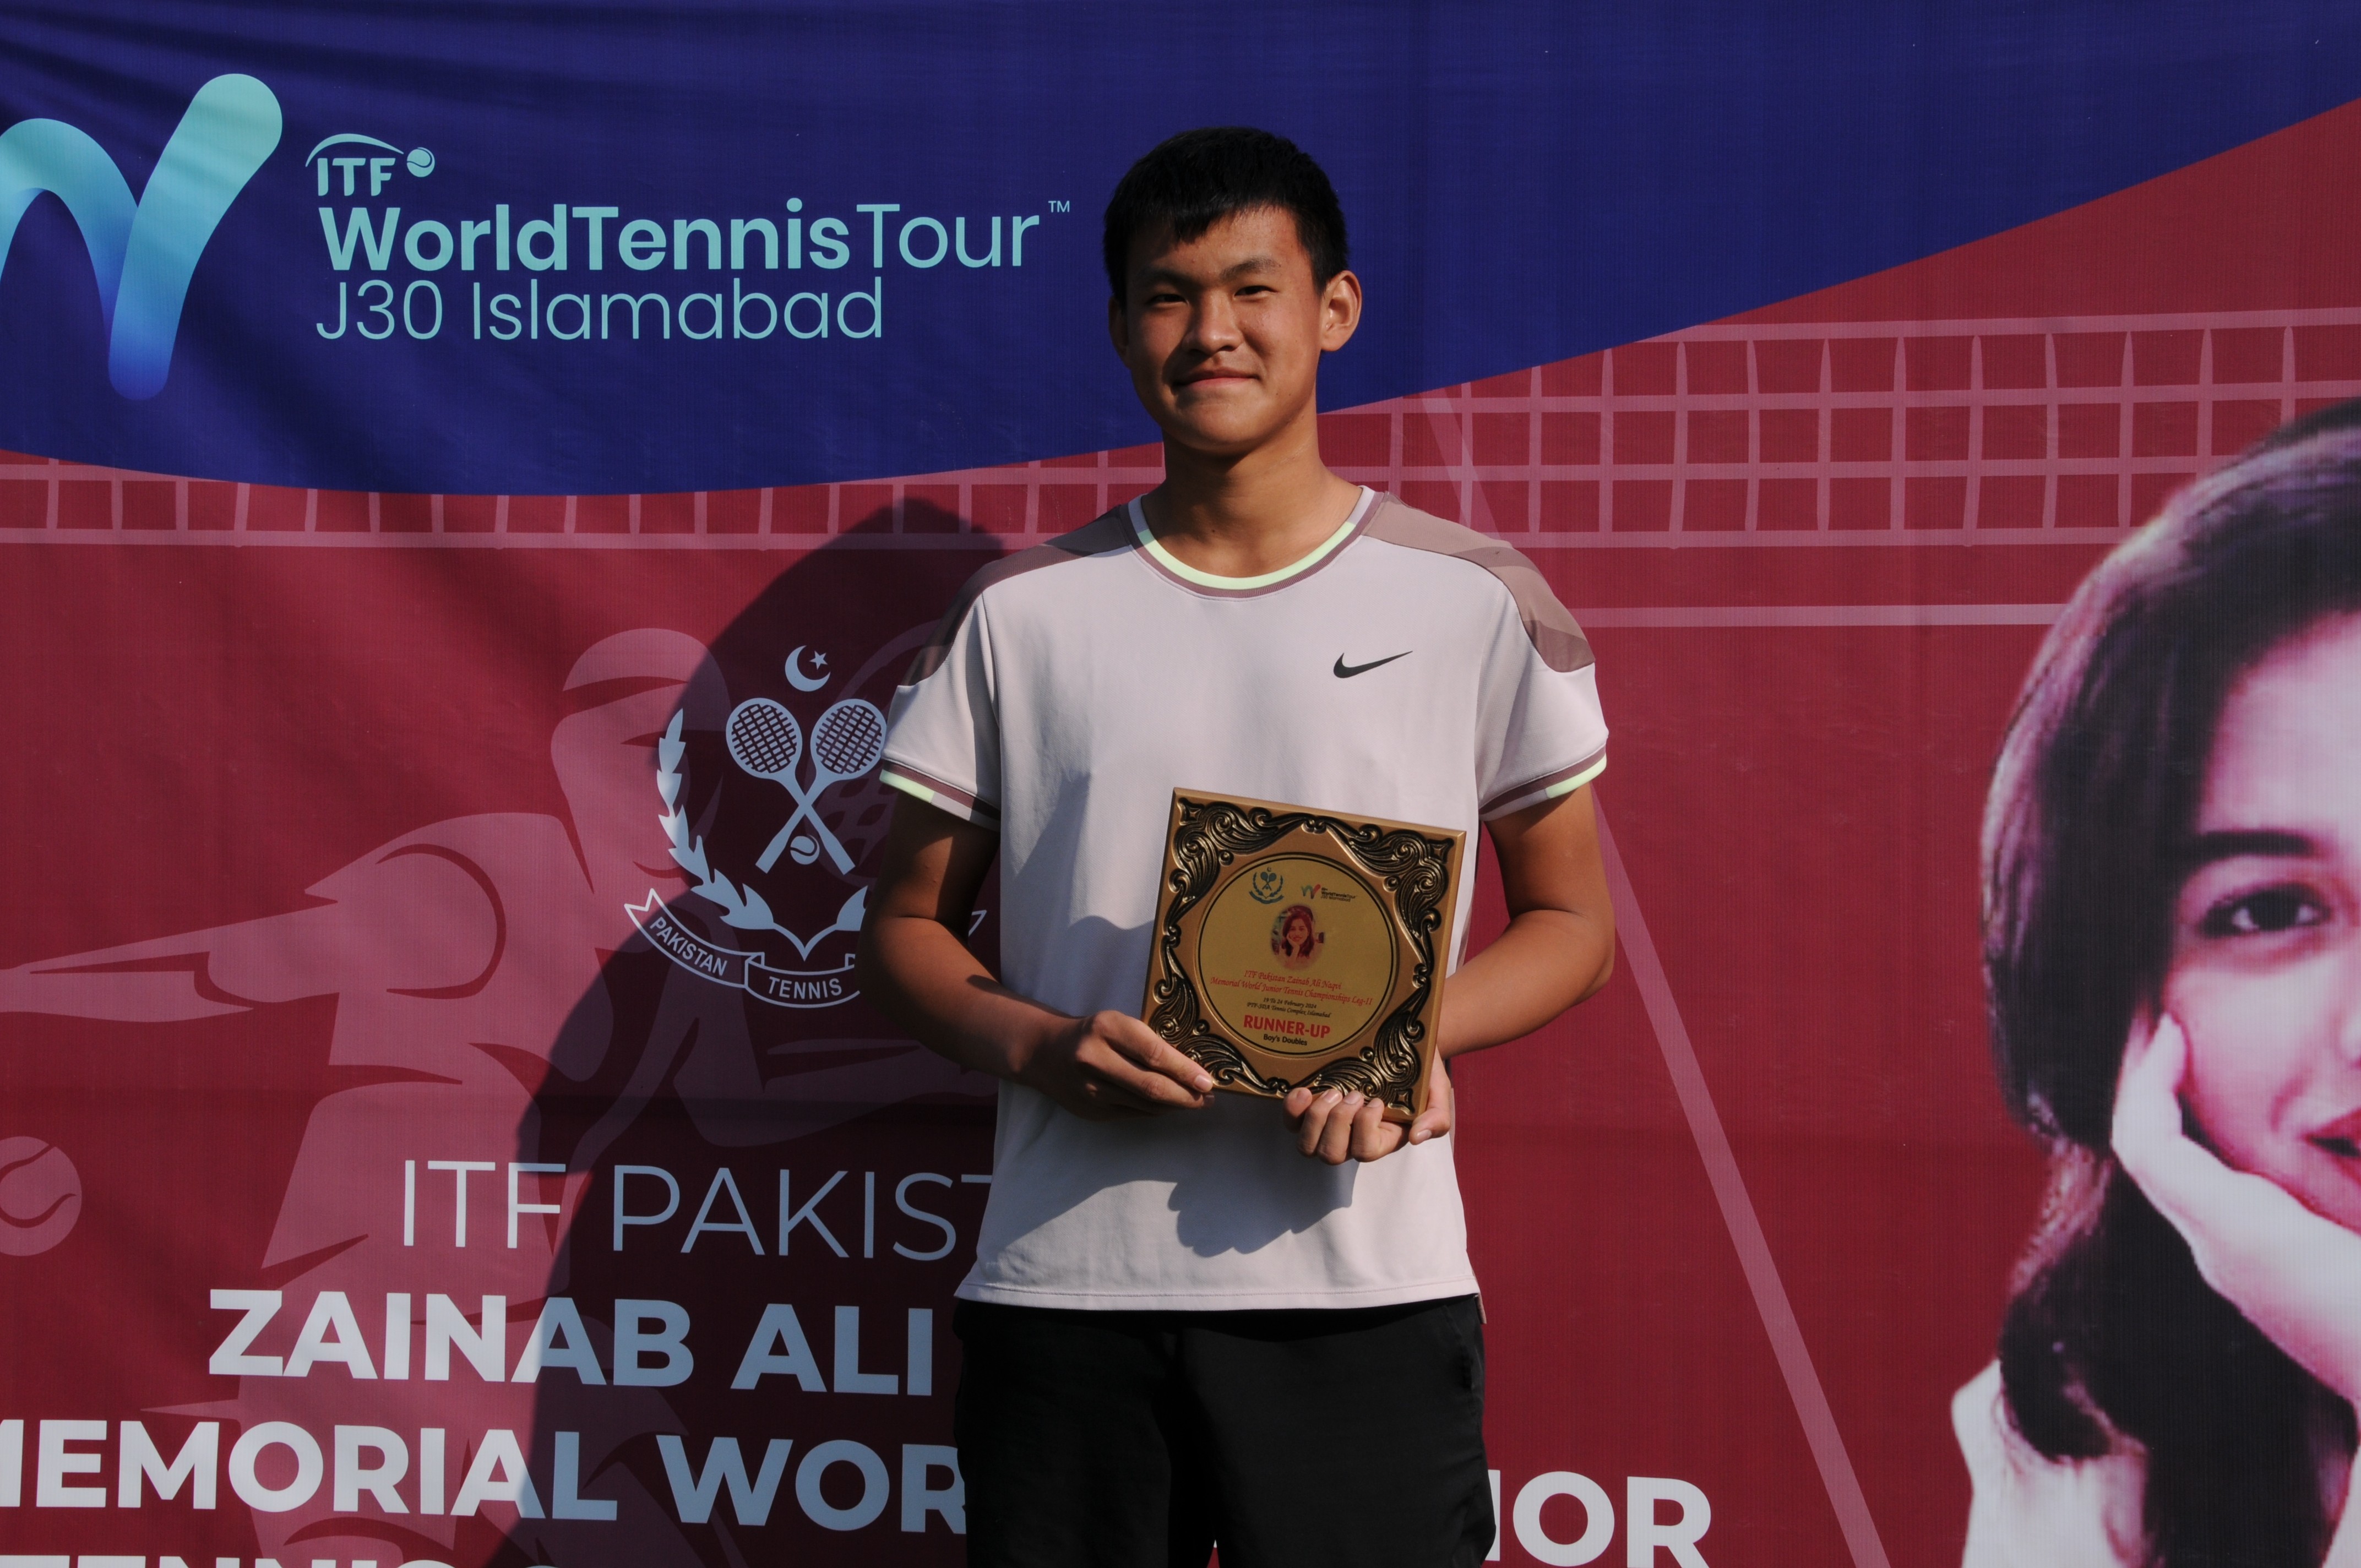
(1193, 180)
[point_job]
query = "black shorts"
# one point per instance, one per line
(1291, 1439)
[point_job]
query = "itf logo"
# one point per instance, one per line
(143, 253)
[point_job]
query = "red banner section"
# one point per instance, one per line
(441, 1124)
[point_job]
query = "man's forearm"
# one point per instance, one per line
(924, 978)
(1546, 960)
(913, 967)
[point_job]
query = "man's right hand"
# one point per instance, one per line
(1111, 1065)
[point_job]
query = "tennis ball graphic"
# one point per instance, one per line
(40, 1196)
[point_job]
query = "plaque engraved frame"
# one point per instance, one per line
(1411, 873)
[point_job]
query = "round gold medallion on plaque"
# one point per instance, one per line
(1296, 955)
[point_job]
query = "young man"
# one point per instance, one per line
(1196, 1316)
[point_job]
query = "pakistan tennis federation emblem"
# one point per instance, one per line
(766, 742)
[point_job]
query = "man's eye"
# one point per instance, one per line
(2259, 914)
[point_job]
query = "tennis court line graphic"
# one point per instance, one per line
(1753, 1248)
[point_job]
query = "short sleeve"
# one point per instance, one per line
(1542, 733)
(942, 738)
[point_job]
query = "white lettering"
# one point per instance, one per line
(850, 1379)
(672, 1188)
(138, 1459)
(516, 1206)
(919, 1499)
(331, 1314)
(789, 1218)
(874, 1484)
(309, 1467)
(230, 1358)
(498, 1476)
(723, 1182)
(559, 1339)
(430, 1469)
(793, 1359)
(921, 1380)
(485, 1345)
(12, 1464)
(56, 1462)
(634, 1341)
(1599, 1518)
(901, 1202)
(378, 1480)
(1644, 1532)
(459, 1169)
(566, 1500)
(397, 1336)
(693, 1495)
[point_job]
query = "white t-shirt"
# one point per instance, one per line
(1406, 668)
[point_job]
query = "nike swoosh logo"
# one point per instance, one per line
(1346, 672)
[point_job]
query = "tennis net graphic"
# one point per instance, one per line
(1738, 433)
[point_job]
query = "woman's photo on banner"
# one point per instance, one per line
(2172, 946)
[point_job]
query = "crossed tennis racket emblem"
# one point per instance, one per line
(766, 742)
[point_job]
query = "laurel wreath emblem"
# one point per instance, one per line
(740, 907)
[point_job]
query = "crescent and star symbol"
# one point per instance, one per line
(801, 682)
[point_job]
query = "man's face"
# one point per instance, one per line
(1223, 334)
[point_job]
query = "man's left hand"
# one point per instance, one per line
(1337, 1126)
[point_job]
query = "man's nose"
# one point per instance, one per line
(1213, 325)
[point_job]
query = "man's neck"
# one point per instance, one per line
(1247, 515)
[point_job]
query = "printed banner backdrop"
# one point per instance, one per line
(435, 1129)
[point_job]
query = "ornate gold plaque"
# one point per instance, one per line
(1301, 948)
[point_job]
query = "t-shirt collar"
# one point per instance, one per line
(1171, 565)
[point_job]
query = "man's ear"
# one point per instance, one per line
(1119, 328)
(1340, 310)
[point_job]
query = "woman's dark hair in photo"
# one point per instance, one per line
(2111, 1336)
(1193, 180)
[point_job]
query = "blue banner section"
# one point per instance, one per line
(599, 247)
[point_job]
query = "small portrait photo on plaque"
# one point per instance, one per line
(1295, 936)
